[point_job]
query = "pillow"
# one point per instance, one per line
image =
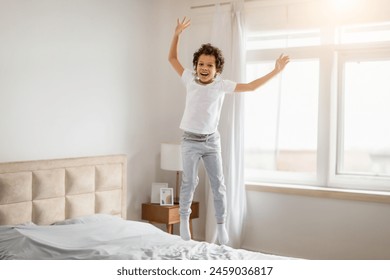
(87, 219)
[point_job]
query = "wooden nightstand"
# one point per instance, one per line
(169, 215)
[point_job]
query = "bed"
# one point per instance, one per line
(76, 209)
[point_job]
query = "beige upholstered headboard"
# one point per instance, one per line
(47, 191)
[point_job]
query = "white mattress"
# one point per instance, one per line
(108, 237)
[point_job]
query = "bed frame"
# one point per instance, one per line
(48, 191)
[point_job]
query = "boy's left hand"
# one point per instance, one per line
(281, 62)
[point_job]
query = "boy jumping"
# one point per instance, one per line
(205, 94)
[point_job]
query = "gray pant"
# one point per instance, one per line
(208, 148)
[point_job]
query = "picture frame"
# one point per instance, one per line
(155, 195)
(166, 196)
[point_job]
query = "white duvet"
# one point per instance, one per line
(107, 237)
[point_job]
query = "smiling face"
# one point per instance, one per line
(206, 69)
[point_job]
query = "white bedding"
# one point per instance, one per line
(108, 237)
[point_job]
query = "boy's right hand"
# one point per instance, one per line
(181, 25)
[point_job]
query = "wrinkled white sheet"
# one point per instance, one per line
(108, 237)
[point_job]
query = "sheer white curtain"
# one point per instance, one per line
(228, 35)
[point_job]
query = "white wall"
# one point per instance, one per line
(317, 228)
(65, 80)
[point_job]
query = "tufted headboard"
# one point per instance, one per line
(47, 191)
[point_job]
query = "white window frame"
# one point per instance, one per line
(331, 59)
(351, 181)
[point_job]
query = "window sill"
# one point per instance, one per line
(331, 193)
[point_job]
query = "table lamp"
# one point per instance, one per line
(171, 160)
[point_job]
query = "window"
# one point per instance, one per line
(364, 133)
(325, 120)
(374, 32)
(281, 120)
(282, 39)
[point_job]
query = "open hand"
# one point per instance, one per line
(181, 25)
(281, 62)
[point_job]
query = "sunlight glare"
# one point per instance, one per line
(342, 5)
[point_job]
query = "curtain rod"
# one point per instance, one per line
(229, 2)
(220, 3)
(210, 5)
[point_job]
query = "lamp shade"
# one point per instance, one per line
(171, 157)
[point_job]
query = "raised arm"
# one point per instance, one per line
(280, 63)
(172, 57)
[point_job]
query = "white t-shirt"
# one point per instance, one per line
(203, 103)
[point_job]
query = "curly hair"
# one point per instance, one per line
(208, 49)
